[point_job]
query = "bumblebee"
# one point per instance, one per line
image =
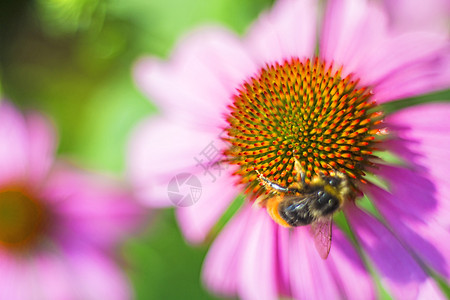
(312, 203)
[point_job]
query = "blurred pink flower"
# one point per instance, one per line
(253, 257)
(58, 226)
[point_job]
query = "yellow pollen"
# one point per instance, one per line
(21, 219)
(306, 111)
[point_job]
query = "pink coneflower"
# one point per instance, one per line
(58, 226)
(283, 120)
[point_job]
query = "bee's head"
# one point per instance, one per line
(326, 202)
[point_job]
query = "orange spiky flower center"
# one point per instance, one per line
(306, 111)
(22, 219)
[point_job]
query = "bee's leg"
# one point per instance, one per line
(273, 185)
(261, 201)
(299, 170)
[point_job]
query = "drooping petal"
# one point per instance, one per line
(242, 259)
(253, 250)
(422, 140)
(17, 282)
(283, 264)
(42, 140)
(430, 74)
(96, 277)
(76, 273)
(198, 83)
(222, 263)
(258, 257)
(401, 57)
(399, 271)
(309, 272)
(53, 275)
(27, 148)
(14, 147)
(350, 30)
(95, 210)
(422, 233)
(159, 150)
(348, 268)
(356, 36)
(408, 15)
(418, 204)
(197, 220)
(287, 30)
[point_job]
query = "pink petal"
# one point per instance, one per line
(42, 140)
(222, 263)
(356, 36)
(27, 146)
(94, 276)
(242, 259)
(309, 272)
(258, 259)
(26, 151)
(257, 276)
(420, 50)
(180, 150)
(420, 232)
(399, 272)
(430, 117)
(423, 142)
(52, 272)
(419, 203)
(77, 273)
(14, 147)
(348, 268)
(160, 149)
(283, 265)
(196, 86)
(350, 31)
(287, 30)
(197, 220)
(431, 290)
(91, 208)
(407, 15)
(426, 74)
(16, 283)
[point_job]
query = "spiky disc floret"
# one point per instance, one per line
(302, 110)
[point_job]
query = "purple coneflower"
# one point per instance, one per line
(297, 102)
(59, 226)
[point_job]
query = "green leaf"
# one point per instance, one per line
(438, 96)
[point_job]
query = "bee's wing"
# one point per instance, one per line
(321, 231)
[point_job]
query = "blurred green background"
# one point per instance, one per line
(72, 60)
